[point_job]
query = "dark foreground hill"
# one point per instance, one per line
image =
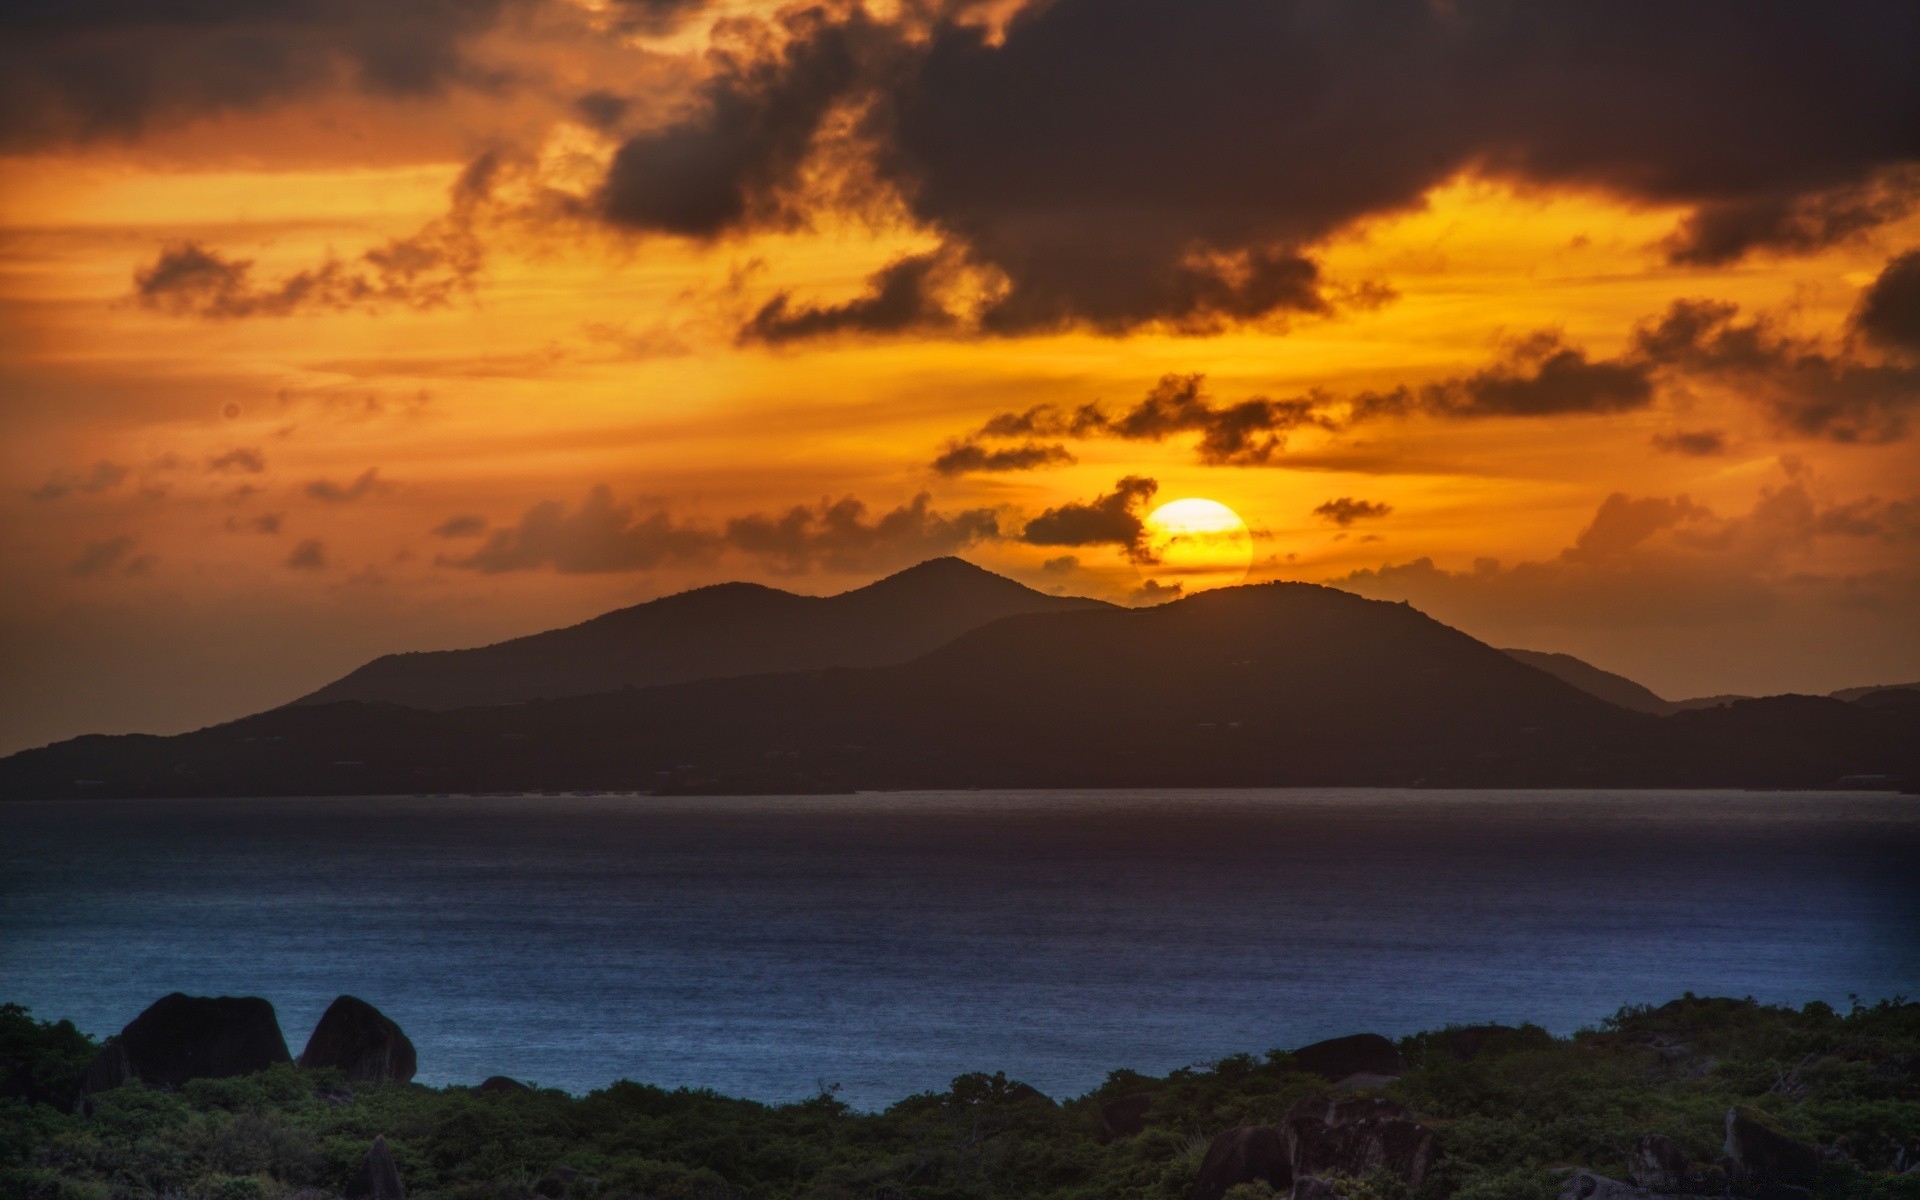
(1277, 684)
(709, 633)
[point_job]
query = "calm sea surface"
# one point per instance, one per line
(764, 946)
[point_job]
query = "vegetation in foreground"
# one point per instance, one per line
(1510, 1119)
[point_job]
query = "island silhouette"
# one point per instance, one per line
(949, 676)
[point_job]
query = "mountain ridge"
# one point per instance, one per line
(1282, 684)
(717, 631)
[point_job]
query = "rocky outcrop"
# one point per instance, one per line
(1350, 1134)
(1658, 1165)
(1126, 1116)
(378, 1178)
(1585, 1185)
(1761, 1153)
(181, 1037)
(1356, 1054)
(1247, 1154)
(358, 1039)
(494, 1085)
(1406, 1148)
(1312, 1187)
(1026, 1093)
(1348, 1110)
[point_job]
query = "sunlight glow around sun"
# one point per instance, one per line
(1197, 544)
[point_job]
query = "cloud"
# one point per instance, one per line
(103, 476)
(1153, 592)
(1699, 443)
(465, 525)
(1159, 162)
(602, 535)
(428, 269)
(838, 535)
(268, 523)
(97, 558)
(1666, 561)
(1346, 510)
(309, 555)
(1113, 519)
(1889, 311)
(363, 484)
(1804, 388)
(960, 458)
(242, 458)
(729, 163)
(900, 300)
(74, 72)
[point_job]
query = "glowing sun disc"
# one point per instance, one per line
(1197, 544)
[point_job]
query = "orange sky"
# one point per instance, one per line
(205, 513)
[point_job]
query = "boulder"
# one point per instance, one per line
(1312, 1187)
(1026, 1093)
(1356, 1054)
(1585, 1185)
(356, 1038)
(1247, 1154)
(181, 1037)
(1761, 1153)
(1658, 1165)
(1406, 1148)
(1347, 1110)
(494, 1085)
(1362, 1082)
(1126, 1116)
(378, 1177)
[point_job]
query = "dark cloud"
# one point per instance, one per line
(839, 536)
(102, 476)
(1155, 161)
(1542, 376)
(652, 17)
(899, 300)
(241, 458)
(1113, 519)
(76, 70)
(1889, 312)
(732, 161)
(309, 555)
(601, 109)
(1154, 592)
(429, 269)
(363, 484)
(1805, 388)
(462, 526)
(1699, 443)
(97, 558)
(1346, 510)
(960, 458)
(836, 535)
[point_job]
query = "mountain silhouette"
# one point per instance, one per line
(1265, 685)
(1614, 689)
(707, 633)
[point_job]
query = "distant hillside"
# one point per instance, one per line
(708, 633)
(1614, 689)
(1618, 689)
(1269, 685)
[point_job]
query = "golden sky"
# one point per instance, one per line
(492, 318)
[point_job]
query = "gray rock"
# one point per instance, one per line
(1247, 1154)
(181, 1037)
(1585, 1185)
(378, 1177)
(1355, 1054)
(1658, 1165)
(358, 1039)
(1763, 1154)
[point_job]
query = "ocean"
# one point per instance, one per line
(770, 947)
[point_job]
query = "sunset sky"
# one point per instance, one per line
(330, 328)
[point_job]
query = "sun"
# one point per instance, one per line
(1197, 544)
